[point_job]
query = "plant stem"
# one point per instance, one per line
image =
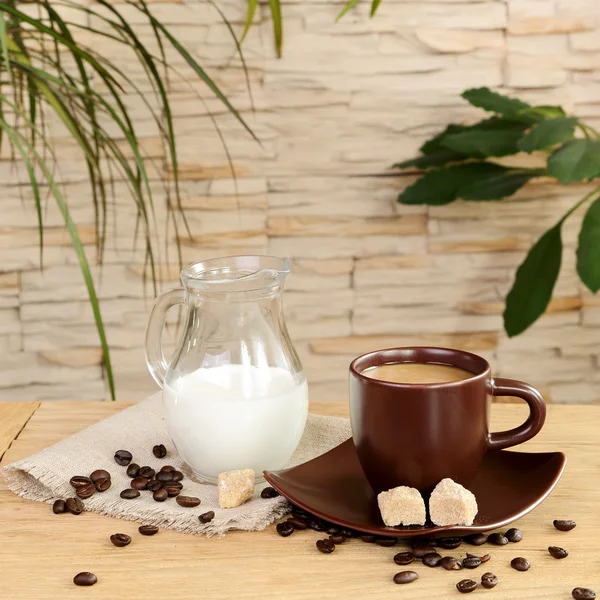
(594, 192)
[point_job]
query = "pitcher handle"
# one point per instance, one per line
(155, 358)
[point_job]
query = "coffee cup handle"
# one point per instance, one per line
(534, 422)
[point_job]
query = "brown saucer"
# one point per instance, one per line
(507, 486)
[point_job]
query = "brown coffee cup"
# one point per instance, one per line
(418, 434)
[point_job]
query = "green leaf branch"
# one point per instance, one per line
(458, 163)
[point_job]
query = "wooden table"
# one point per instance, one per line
(41, 552)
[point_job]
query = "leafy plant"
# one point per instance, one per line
(46, 72)
(456, 167)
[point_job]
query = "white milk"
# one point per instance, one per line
(235, 417)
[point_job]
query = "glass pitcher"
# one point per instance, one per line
(234, 393)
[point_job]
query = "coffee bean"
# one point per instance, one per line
(154, 485)
(133, 470)
(187, 501)
(167, 468)
(171, 490)
(471, 562)
(147, 472)
(485, 558)
(299, 512)
(514, 535)
(160, 495)
(348, 533)
(466, 586)
(86, 491)
(332, 529)
(102, 485)
(386, 542)
(316, 524)
(520, 564)
(297, 523)
(337, 538)
(558, 552)
(563, 525)
(174, 484)
(164, 476)
(367, 539)
(139, 483)
(159, 451)
(78, 481)
(85, 578)
(497, 539)
(476, 539)
(74, 506)
(325, 546)
(449, 543)
(123, 457)
(489, 581)
(421, 551)
(269, 492)
(99, 474)
(404, 558)
(129, 494)
(450, 563)
(207, 517)
(177, 475)
(59, 507)
(432, 559)
(580, 593)
(148, 529)
(284, 529)
(405, 577)
(120, 540)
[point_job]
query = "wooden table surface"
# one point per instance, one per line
(41, 552)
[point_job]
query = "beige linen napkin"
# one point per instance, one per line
(45, 476)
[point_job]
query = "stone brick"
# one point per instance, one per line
(455, 41)
(549, 25)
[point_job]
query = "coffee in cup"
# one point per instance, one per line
(422, 373)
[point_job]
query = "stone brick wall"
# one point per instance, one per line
(346, 101)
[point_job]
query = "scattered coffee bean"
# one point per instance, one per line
(497, 539)
(99, 474)
(85, 491)
(514, 535)
(404, 558)
(449, 543)
(466, 586)
(316, 524)
(580, 593)
(139, 483)
(120, 540)
(102, 485)
(129, 494)
(489, 581)
(558, 552)
(172, 491)
(160, 495)
(148, 529)
(269, 492)
(284, 529)
(187, 501)
(432, 559)
(123, 457)
(297, 523)
(332, 529)
(565, 525)
(78, 481)
(177, 475)
(154, 485)
(175, 484)
(386, 542)
(325, 546)
(159, 451)
(450, 563)
(59, 507)
(485, 558)
(85, 578)
(74, 506)
(471, 562)
(405, 577)
(367, 539)
(520, 564)
(207, 517)
(164, 476)
(421, 551)
(476, 539)
(347, 533)
(147, 472)
(133, 470)
(337, 538)
(167, 468)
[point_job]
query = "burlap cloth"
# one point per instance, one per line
(45, 476)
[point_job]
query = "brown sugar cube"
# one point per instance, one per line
(401, 506)
(452, 504)
(235, 487)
